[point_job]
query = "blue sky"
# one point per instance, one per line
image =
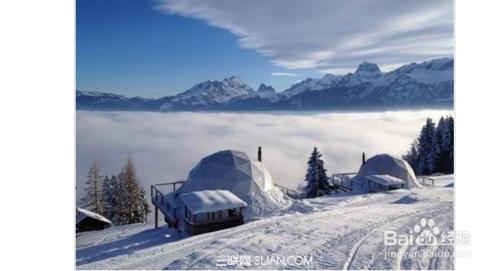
(127, 47)
(154, 48)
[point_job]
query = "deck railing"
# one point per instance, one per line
(290, 192)
(157, 198)
(343, 181)
(426, 178)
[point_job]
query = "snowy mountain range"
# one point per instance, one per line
(427, 84)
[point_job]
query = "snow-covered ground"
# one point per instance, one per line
(338, 232)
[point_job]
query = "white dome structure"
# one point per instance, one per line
(234, 171)
(385, 164)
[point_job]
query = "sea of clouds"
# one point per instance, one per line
(165, 146)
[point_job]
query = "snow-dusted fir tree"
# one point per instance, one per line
(444, 131)
(441, 131)
(411, 156)
(130, 198)
(144, 206)
(433, 150)
(436, 152)
(426, 162)
(317, 183)
(93, 199)
(449, 142)
(109, 192)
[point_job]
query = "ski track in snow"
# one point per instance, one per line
(340, 233)
(347, 265)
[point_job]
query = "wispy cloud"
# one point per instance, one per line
(284, 74)
(330, 34)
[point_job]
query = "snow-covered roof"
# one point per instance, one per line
(385, 180)
(210, 201)
(83, 213)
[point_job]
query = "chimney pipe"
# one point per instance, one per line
(364, 159)
(259, 154)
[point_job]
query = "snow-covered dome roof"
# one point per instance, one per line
(387, 164)
(229, 170)
(234, 171)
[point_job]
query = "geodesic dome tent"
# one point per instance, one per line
(229, 170)
(385, 164)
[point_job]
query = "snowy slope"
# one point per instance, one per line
(311, 84)
(339, 232)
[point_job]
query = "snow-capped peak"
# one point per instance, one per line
(366, 71)
(214, 92)
(263, 88)
(267, 92)
(367, 67)
(234, 81)
(330, 78)
(327, 81)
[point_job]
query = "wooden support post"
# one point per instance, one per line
(156, 217)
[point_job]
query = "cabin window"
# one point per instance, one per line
(220, 214)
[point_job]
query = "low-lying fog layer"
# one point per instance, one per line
(165, 146)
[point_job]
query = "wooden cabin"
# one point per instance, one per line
(211, 210)
(90, 221)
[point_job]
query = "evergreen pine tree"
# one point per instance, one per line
(144, 205)
(412, 156)
(93, 199)
(131, 205)
(316, 178)
(436, 153)
(110, 191)
(426, 161)
(448, 144)
(433, 151)
(442, 137)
